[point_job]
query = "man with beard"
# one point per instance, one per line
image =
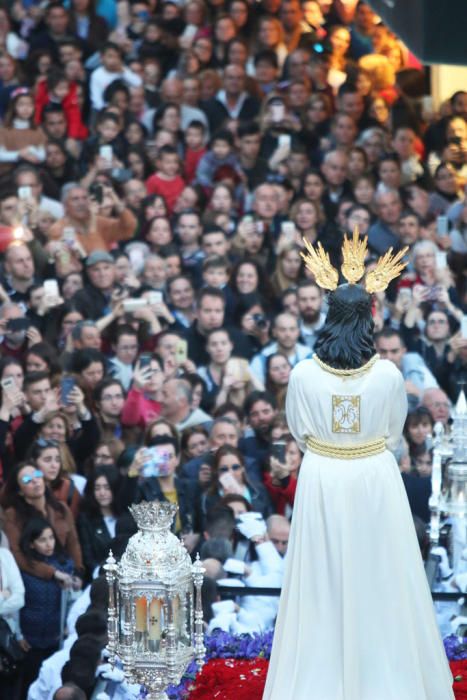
(260, 411)
(311, 315)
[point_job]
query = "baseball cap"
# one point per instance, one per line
(98, 256)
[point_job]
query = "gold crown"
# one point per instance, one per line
(354, 251)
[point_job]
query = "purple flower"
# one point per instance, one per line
(455, 647)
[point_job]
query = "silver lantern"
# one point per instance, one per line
(155, 611)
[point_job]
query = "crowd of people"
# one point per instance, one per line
(161, 164)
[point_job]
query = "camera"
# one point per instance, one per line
(260, 320)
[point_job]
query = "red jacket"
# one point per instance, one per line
(76, 128)
(281, 496)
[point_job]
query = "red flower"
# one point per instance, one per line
(231, 679)
(459, 672)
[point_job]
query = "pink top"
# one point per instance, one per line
(139, 410)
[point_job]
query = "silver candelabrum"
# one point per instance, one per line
(449, 481)
(155, 610)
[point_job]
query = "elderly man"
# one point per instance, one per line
(437, 402)
(94, 300)
(28, 176)
(334, 168)
(232, 102)
(176, 405)
(172, 91)
(384, 233)
(278, 532)
(92, 231)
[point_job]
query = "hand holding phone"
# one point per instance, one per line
(230, 484)
(181, 351)
(67, 384)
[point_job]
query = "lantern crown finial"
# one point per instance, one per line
(153, 515)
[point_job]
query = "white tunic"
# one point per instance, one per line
(356, 619)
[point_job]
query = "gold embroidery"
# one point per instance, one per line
(327, 449)
(346, 372)
(346, 414)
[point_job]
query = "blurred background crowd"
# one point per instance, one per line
(161, 163)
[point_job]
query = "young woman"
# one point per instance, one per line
(278, 370)
(219, 347)
(143, 401)
(194, 442)
(281, 481)
(40, 618)
(47, 455)
(98, 516)
(229, 476)
(26, 496)
(289, 268)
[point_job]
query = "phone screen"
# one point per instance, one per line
(67, 385)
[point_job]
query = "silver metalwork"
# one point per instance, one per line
(153, 592)
(449, 480)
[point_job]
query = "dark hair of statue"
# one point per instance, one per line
(346, 339)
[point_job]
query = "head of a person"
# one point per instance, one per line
(126, 346)
(194, 442)
(11, 368)
(278, 529)
(69, 691)
(176, 399)
(101, 491)
(210, 309)
(223, 432)
(86, 335)
(390, 346)
(38, 539)
(260, 409)
(37, 389)
(424, 257)
(278, 370)
(100, 269)
(19, 263)
(265, 204)
(409, 228)
(181, 293)
(438, 404)
(109, 398)
(228, 460)
(168, 449)
(418, 426)
(56, 427)
(389, 207)
(24, 485)
(346, 339)
(334, 168)
(46, 454)
(89, 366)
(285, 330)
(437, 326)
(310, 301)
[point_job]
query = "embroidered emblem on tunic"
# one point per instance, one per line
(346, 414)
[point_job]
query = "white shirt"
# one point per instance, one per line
(101, 78)
(52, 206)
(258, 363)
(10, 579)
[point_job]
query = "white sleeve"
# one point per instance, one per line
(397, 412)
(12, 580)
(96, 90)
(131, 77)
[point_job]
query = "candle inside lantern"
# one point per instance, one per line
(141, 614)
(155, 620)
(177, 614)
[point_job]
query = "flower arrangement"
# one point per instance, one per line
(236, 668)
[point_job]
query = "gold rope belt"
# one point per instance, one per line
(365, 449)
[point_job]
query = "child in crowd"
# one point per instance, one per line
(167, 181)
(195, 148)
(57, 89)
(220, 153)
(40, 619)
(112, 68)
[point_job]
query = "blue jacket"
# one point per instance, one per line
(40, 617)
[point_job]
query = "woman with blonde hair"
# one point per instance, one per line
(289, 268)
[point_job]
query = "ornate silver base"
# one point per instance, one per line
(157, 696)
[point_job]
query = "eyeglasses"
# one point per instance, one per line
(434, 321)
(113, 397)
(42, 442)
(27, 478)
(234, 468)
